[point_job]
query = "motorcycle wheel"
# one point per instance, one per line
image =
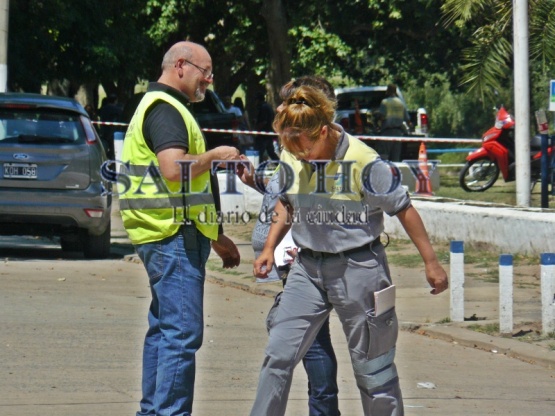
(478, 175)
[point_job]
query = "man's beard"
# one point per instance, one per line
(199, 96)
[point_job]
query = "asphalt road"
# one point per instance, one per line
(72, 330)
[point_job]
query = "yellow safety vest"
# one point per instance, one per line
(305, 183)
(154, 208)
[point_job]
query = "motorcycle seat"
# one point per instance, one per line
(536, 142)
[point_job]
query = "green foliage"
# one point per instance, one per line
(166, 24)
(233, 32)
(540, 76)
(487, 62)
(542, 30)
(415, 44)
(82, 42)
(451, 113)
(318, 52)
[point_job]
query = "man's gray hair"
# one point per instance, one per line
(176, 52)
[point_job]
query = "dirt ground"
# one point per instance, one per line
(481, 272)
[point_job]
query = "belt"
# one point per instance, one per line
(324, 254)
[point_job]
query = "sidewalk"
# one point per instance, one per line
(71, 342)
(417, 311)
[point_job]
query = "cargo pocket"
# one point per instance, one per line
(383, 332)
(273, 312)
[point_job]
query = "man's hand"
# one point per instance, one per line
(227, 250)
(228, 153)
(245, 172)
(225, 153)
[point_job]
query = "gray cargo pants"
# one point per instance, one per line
(317, 283)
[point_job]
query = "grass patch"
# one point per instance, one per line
(402, 253)
(481, 258)
(215, 266)
(500, 193)
(452, 157)
(241, 230)
(489, 275)
(528, 335)
(526, 260)
(488, 329)
(405, 260)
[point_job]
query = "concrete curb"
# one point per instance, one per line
(451, 332)
(498, 345)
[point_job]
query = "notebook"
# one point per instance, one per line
(384, 300)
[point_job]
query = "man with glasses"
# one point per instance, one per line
(207, 73)
(166, 211)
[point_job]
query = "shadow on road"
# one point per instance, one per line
(41, 248)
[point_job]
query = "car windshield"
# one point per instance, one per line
(366, 99)
(40, 127)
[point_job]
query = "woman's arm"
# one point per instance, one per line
(435, 274)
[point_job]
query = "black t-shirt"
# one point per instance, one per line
(164, 128)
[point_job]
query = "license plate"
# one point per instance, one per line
(20, 171)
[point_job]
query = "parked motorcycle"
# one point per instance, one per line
(496, 155)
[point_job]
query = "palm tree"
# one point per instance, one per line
(488, 62)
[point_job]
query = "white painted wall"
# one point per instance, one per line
(511, 230)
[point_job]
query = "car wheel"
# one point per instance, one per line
(97, 246)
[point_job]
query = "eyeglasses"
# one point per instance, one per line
(206, 73)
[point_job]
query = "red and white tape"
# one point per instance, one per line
(420, 139)
(364, 138)
(110, 123)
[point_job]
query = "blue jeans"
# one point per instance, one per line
(321, 368)
(176, 272)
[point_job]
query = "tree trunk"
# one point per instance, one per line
(279, 72)
(252, 86)
(59, 87)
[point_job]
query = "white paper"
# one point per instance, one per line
(281, 258)
(384, 300)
